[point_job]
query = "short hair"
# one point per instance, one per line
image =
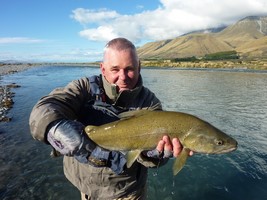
(120, 44)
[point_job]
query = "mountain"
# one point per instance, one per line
(248, 37)
(255, 48)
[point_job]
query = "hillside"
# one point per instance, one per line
(247, 37)
(254, 49)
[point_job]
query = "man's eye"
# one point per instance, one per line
(130, 69)
(114, 70)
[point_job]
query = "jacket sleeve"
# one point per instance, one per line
(61, 103)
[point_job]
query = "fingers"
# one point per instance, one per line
(173, 146)
(191, 153)
(160, 146)
(170, 147)
(177, 147)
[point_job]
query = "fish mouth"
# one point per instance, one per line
(226, 150)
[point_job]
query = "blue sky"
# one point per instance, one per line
(77, 30)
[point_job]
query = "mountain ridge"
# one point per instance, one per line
(238, 37)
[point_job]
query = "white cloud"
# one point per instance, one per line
(171, 19)
(102, 33)
(85, 16)
(16, 40)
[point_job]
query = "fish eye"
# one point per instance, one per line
(219, 142)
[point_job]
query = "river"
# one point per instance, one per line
(233, 101)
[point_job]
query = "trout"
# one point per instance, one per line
(141, 130)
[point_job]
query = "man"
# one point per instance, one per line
(59, 120)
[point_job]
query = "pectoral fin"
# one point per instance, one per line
(132, 156)
(180, 161)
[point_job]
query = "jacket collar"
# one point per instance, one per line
(122, 98)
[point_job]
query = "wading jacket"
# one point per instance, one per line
(93, 101)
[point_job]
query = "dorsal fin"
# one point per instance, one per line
(139, 112)
(133, 113)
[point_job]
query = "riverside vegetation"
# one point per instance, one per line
(226, 59)
(223, 64)
(192, 62)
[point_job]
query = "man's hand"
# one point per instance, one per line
(170, 148)
(68, 138)
(166, 148)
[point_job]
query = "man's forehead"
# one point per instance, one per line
(111, 53)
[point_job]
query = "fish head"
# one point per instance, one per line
(205, 138)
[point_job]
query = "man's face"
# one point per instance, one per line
(121, 68)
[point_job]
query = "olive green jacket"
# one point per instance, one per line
(68, 103)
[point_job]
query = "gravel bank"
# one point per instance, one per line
(13, 68)
(6, 101)
(6, 94)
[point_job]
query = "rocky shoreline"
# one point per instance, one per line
(6, 101)
(13, 68)
(6, 95)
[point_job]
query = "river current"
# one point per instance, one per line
(233, 101)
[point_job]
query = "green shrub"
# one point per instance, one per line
(225, 55)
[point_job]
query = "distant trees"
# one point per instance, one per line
(186, 59)
(225, 55)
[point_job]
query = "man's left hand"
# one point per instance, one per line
(170, 147)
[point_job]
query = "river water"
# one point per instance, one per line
(233, 101)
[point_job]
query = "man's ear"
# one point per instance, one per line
(102, 68)
(139, 66)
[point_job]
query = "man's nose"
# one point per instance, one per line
(123, 74)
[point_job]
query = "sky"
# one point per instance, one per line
(77, 30)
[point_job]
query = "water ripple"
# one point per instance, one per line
(234, 102)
